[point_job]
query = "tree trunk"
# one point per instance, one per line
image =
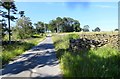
(57, 28)
(9, 26)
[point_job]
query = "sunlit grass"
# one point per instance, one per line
(101, 62)
(11, 51)
(109, 33)
(90, 65)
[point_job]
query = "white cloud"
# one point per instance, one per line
(104, 6)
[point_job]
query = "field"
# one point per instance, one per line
(100, 62)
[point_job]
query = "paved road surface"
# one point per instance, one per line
(39, 62)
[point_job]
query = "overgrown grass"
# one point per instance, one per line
(62, 43)
(17, 48)
(103, 62)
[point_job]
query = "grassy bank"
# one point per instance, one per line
(18, 47)
(103, 62)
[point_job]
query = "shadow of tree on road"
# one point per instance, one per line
(43, 47)
(33, 60)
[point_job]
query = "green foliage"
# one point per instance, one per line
(103, 62)
(24, 28)
(61, 44)
(10, 51)
(65, 24)
(97, 29)
(86, 28)
(116, 30)
(11, 8)
(21, 13)
(40, 27)
(73, 36)
(3, 29)
(96, 63)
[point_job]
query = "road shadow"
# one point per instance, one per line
(36, 59)
(37, 50)
(42, 47)
(8, 49)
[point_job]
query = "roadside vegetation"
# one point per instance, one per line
(18, 38)
(101, 62)
(10, 51)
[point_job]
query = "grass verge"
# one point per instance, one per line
(11, 51)
(103, 62)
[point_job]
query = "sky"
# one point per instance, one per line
(94, 14)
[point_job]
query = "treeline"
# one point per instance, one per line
(65, 24)
(24, 28)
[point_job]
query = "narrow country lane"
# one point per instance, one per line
(39, 62)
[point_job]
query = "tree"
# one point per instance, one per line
(58, 24)
(97, 29)
(55, 25)
(116, 29)
(52, 26)
(10, 7)
(46, 27)
(24, 27)
(3, 28)
(68, 24)
(77, 26)
(21, 13)
(40, 27)
(71, 25)
(86, 28)
(65, 24)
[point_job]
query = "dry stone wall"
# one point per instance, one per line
(87, 41)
